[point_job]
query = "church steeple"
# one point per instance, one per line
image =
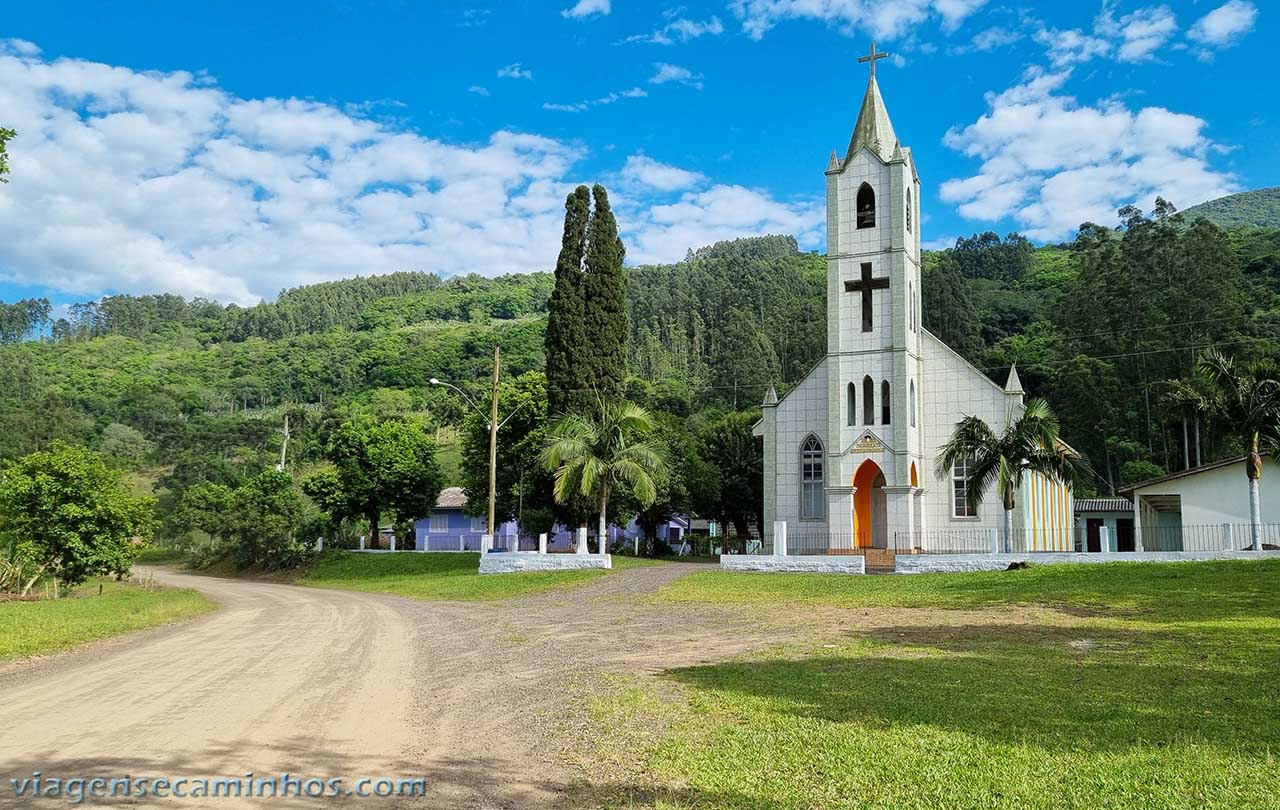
(873, 130)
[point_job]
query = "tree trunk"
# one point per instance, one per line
(602, 537)
(373, 516)
(1008, 530)
(1253, 468)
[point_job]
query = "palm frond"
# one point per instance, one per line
(971, 436)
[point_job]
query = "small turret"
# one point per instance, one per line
(1013, 385)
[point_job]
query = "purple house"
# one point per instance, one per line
(448, 529)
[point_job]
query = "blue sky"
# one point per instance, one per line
(229, 150)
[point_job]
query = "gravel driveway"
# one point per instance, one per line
(478, 698)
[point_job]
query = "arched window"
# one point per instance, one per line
(912, 392)
(813, 504)
(908, 210)
(866, 207)
(851, 406)
(885, 410)
(868, 401)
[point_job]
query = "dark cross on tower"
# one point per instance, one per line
(872, 57)
(865, 286)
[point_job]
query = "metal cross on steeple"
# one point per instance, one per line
(872, 57)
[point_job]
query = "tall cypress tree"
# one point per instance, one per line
(605, 321)
(565, 340)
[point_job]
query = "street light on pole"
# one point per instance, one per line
(493, 425)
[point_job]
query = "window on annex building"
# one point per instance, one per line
(438, 523)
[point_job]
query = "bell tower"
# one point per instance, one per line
(875, 377)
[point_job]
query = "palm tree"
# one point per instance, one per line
(1029, 444)
(592, 454)
(1246, 402)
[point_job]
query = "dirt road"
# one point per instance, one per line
(475, 697)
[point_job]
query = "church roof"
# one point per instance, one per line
(874, 130)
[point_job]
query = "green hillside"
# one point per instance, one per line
(1258, 209)
(177, 392)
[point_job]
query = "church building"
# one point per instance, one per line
(849, 453)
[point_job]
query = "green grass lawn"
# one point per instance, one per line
(35, 628)
(439, 576)
(1116, 686)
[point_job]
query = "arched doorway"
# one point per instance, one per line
(870, 509)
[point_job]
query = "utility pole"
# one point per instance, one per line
(284, 445)
(493, 444)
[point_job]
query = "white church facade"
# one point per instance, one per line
(849, 452)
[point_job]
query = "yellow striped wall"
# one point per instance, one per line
(1047, 507)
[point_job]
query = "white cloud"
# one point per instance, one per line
(1051, 163)
(129, 181)
(1139, 34)
(1071, 47)
(664, 72)
(514, 71)
(479, 90)
(994, 37)
(1134, 37)
(586, 8)
(644, 171)
(680, 30)
(1225, 24)
(880, 19)
(720, 212)
(611, 98)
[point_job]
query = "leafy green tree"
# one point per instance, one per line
(207, 508)
(672, 487)
(744, 361)
(566, 338)
(266, 513)
(6, 135)
(1029, 444)
(67, 513)
(730, 483)
(1132, 472)
(948, 310)
(605, 303)
(378, 467)
(594, 454)
(1244, 401)
(123, 442)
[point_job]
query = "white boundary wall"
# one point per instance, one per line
(955, 563)
(509, 562)
(778, 564)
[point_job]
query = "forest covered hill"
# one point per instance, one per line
(187, 390)
(1259, 208)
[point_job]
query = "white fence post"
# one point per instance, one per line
(582, 540)
(393, 540)
(1104, 539)
(362, 542)
(462, 542)
(1226, 537)
(542, 543)
(486, 543)
(320, 543)
(995, 545)
(780, 538)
